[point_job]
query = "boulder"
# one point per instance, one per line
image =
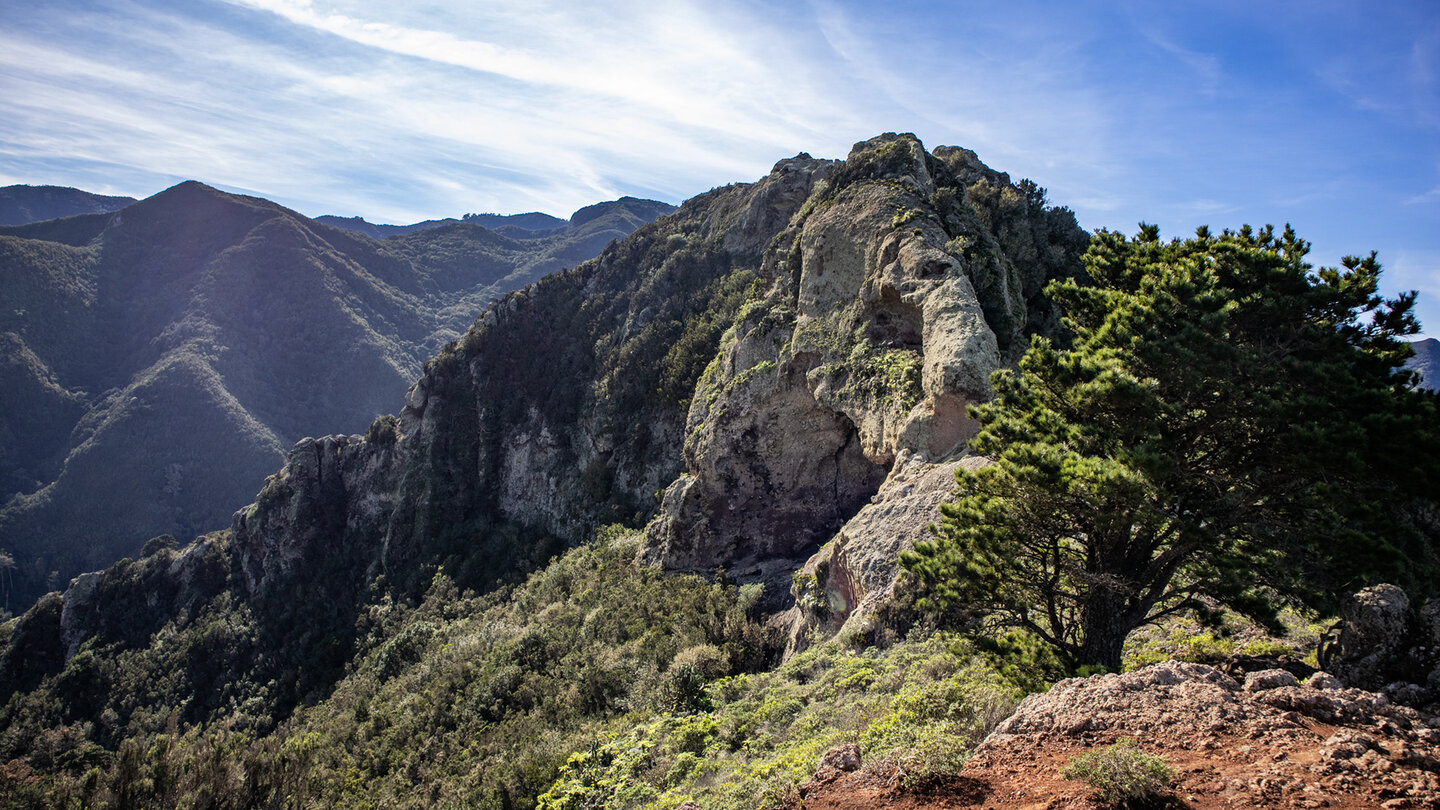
(1387, 644)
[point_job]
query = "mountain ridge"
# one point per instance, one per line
(517, 226)
(280, 327)
(1426, 361)
(23, 204)
(490, 467)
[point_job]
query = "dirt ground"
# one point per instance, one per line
(1270, 742)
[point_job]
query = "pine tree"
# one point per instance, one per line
(1226, 422)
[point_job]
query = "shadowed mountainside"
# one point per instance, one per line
(532, 225)
(22, 205)
(1426, 361)
(158, 361)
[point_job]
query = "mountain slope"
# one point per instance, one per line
(160, 360)
(21, 205)
(567, 404)
(533, 221)
(1426, 361)
(772, 356)
(789, 362)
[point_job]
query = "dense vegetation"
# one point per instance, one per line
(1227, 423)
(593, 682)
(21, 205)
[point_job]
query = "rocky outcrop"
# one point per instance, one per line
(844, 585)
(330, 489)
(848, 383)
(1388, 644)
(1271, 741)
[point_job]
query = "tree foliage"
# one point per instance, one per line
(1227, 422)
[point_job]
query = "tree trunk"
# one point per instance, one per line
(1104, 631)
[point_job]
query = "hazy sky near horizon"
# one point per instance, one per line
(1321, 114)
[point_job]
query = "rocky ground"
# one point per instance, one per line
(1269, 740)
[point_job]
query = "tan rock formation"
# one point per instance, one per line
(848, 384)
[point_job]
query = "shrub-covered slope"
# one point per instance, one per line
(158, 361)
(594, 682)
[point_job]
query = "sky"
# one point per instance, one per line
(1324, 115)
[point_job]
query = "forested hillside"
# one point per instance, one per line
(159, 361)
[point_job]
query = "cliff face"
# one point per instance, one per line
(836, 407)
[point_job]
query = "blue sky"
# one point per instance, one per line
(1322, 114)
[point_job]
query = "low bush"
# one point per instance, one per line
(1122, 773)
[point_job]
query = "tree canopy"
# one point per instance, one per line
(1226, 422)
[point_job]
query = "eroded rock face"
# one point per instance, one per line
(855, 371)
(772, 471)
(842, 587)
(894, 323)
(328, 489)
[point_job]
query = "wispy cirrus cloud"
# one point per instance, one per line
(1181, 116)
(684, 67)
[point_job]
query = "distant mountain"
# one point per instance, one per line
(516, 226)
(157, 362)
(1426, 361)
(21, 205)
(525, 224)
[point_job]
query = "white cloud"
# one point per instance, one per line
(678, 65)
(1417, 270)
(1430, 196)
(409, 111)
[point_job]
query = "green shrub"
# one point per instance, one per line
(1268, 647)
(921, 704)
(1122, 773)
(155, 545)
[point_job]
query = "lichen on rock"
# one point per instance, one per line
(845, 389)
